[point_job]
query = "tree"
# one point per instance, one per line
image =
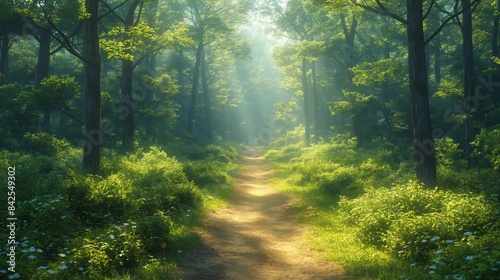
(92, 89)
(210, 21)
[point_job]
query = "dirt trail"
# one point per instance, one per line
(256, 238)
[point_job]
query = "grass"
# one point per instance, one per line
(336, 241)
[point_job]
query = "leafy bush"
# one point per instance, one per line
(407, 217)
(42, 143)
(340, 182)
(113, 248)
(155, 231)
(473, 257)
(487, 146)
(206, 172)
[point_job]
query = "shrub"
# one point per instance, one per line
(206, 172)
(42, 143)
(155, 231)
(113, 248)
(342, 181)
(472, 257)
(406, 218)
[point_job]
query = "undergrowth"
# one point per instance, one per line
(368, 213)
(132, 221)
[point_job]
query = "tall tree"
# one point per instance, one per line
(92, 89)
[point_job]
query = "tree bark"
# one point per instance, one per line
(92, 90)
(495, 48)
(128, 103)
(315, 103)
(305, 91)
(469, 96)
(206, 95)
(424, 149)
(4, 55)
(42, 71)
(437, 59)
(194, 89)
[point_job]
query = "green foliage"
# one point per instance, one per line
(407, 218)
(487, 146)
(17, 115)
(342, 181)
(474, 257)
(42, 143)
(155, 232)
(141, 204)
(100, 252)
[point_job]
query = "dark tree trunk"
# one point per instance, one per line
(305, 91)
(496, 24)
(92, 90)
(349, 36)
(206, 95)
(437, 59)
(4, 55)
(469, 96)
(424, 149)
(194, 89)
(315, 103)
(128, 103)
(42, 71)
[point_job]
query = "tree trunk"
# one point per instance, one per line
(425, 157)
(315, 103)
(469, 96)
(194, 89)
(42, 71)
(206, 95)
(92, 90)
(437, 59)
(496, 24)
(128, 103)
(305, 90)
(4, 55)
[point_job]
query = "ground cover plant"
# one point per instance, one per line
(369, 213)
(132, 220)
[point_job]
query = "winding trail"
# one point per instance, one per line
(256, 237)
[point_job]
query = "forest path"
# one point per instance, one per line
(256, 237)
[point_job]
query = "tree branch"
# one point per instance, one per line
(445, 22)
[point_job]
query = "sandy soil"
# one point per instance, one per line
(256, 237)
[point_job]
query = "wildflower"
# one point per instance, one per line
(468, 258)
(494, 269)
(439, 252)
(112, 236)
(14, 276)
(80, 268)
(468, 233)
(424, 240)
(61, 255)
(434, 238)
(51, 271)
(70, 261)
(432, 272)
(43, 267)
(449, 241)
(3, 271)
(62, 217)
(432, 267)
(62, 267)
(39, 250)
(31, 257)
(32, 249)
(126, 224)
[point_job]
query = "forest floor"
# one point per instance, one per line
(256, 237)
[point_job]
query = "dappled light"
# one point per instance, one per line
(250, 139)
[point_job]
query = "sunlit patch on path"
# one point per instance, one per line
(256, 237)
